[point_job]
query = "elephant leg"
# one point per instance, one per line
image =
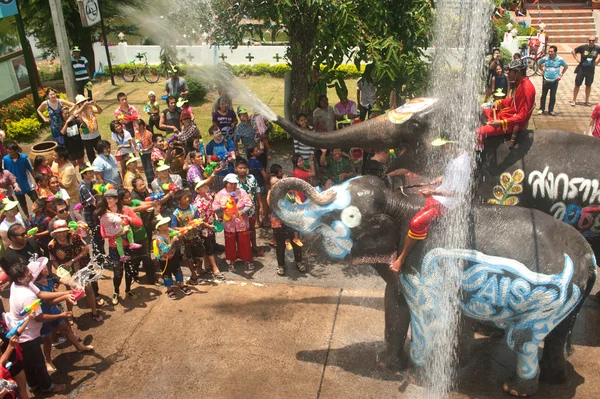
(397, 320)
(526, 381)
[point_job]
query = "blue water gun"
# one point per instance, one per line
(154, 197)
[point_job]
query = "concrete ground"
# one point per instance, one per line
(267, 336)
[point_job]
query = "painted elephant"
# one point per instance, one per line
(554, 171)
(525, 272)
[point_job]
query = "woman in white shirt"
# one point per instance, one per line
(125, 144)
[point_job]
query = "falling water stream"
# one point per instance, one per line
(461, 33)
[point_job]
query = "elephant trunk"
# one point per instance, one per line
(377, 132)
(280, 190)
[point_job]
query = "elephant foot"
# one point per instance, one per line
(389, 360)
(519, 387)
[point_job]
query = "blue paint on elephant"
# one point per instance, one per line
(306, 218)
(528, 305)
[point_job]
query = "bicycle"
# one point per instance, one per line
(532, 61)
(150, 74)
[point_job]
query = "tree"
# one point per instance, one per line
(389, 33)
(37, 17)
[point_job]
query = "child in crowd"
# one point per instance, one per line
(114, 225)
(249, 184)
(203, 203)
(188, 129)
(282, 235)
(221, 147)
(131, 171)
(41, 185)
(152, 108)
(256, 169)
(41, 165)
(191, 242)
(300, 170)
(275, 171)
(167, 249)
(54, 317)
(40, 218)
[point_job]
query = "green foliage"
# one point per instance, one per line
(25, 129)
(505, 56)
(277, 134)
(18, 109)
(198, 92)
(49, 73)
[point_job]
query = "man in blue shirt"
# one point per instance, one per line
(18, 164)
(551, 65)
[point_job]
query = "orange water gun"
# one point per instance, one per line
(31, 308)
(192, 224)
(231, 210)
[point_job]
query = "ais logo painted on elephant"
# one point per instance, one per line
(528, 305)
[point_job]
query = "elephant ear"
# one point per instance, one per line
(378, 242)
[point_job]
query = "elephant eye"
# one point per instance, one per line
(351, 216)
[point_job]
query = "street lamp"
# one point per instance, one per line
(121, 36)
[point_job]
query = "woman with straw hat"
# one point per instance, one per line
(90, 134)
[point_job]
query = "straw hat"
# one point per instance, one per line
(161, 166)
(80, 99)
(8, 204)
(59, 227)
(162, 220)
(87, 167)
(132, 159)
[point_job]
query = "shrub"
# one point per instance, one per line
(48, 73)
(198, 92)
(277, 134)
(25, 129)
(505, 56)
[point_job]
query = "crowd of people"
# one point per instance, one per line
(156, 197)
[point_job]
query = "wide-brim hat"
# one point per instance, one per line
(517, 65)
(181, 101)
(162, 220)
(162, 166)
(59, 227)
(441, 141)
(241, 110)
(231, 178)
(130, 160)
(87, 168)
(36, 266)
(80, 99)
(151, 93)
(200, 183)
(499, 93)
(8, 204)
(75, 49)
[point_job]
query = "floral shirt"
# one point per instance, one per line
(89, 118)
(42, 223)
(157, 154)
(205, 211)
(194, 174)
(251, 187)
(65, 252)
(128, 179)
(240, 221)
(335, 168)
(164, 248)
(145, 139)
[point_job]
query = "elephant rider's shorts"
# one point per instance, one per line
(419, 224)
(489, 130)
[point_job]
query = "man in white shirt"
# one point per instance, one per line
(11, 216)
(446, 196)
(366, 93)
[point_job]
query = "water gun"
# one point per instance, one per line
(33, 231)
(170, 187)
(9, 385)
(31, 308)
(231, 207)
(171, 137)
(127, 118)
(77, 207)
(139, 145)
(173, 233)
(209, 169)
(228, 156)
(53, 197)
(63, 271)
(13, 331)
(154, 197)
(73, 225)
(102, 188)
(147, 109)
(392, 154)
(192, 224)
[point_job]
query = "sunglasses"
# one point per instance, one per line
(61, 210)
(23, 234)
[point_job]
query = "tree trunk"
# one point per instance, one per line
(302, 35)
(87, 49)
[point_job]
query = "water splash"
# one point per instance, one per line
(461, 32)
(89, 273)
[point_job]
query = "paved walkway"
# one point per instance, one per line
(575, 119)
(244, 340)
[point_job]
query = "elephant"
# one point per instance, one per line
(524, 271)
(550, 170)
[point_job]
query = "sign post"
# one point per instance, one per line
(91, 14)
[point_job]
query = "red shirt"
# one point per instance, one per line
(135, 220)
(304, 175)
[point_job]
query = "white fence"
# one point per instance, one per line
(196, 55)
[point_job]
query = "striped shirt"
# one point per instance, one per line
(80, 68)
(303, 149)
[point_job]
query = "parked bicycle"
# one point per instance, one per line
(532, 54)
(136, 71)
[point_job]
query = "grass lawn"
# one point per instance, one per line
(268, 89)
